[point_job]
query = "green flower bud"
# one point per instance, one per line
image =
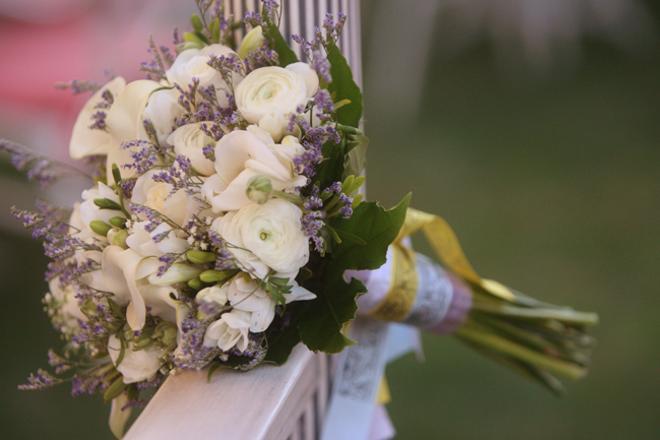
(107, 204)
(216, 276)
(118, 237)
(100, 227)
(196, 256)
(118, 222)
(178, 273)
(115, 389)
(196, 22)
(252, 41)
(195, 284)
(259, 189)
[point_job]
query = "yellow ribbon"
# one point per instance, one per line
(400, 298)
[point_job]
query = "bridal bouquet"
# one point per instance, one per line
(224, 213)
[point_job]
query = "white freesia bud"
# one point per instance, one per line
(213, 294)
(90, 212)
(252, 41)
(177, 273)
(267, 236)
(229, 331)
(162, 110)
(189, 141)
(136, 365)
(240, 156)
(266, 96)
(193, 63)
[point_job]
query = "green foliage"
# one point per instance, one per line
(365, 238)
(343, 87)
(277, 42)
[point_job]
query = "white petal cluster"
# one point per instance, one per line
(262, 227)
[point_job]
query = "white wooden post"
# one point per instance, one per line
(269, 402)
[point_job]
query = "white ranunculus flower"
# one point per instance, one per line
(229, 331)
(124, 273)
(162, 110)
(89, 212)
(193, 63)
(179, 207)
(266, 236)
(240, 156)
(136, 365)
(142, 241)
(189, 140)
(268, 95)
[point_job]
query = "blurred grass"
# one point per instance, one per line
(552, 185)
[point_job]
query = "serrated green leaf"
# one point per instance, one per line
(322, 319)
(376, 226)
(365, 238)
(343, 87)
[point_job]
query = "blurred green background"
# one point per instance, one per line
(551, 180)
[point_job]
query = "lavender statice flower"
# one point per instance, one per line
(166, 260)
(209, 151)
(77, 86)
(85, 385)
(178, 176)
(40, 380)
(58, 363)
(38, 168)
(191, 354)
(144, 155)
(161, 59)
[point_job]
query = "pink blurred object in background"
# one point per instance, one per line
(53, 41)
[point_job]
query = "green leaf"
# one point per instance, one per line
(356, 159)
(114, 389)
(376, 226)
(343, 87)
(331, 168)
(281, 342)
(322, 319)
(277, 42)
(365, 238)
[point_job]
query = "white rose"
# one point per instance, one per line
(142, 241)
(189, 140)
(179, 207)
(162, 110)
(240, 156)
(229, 331)
(193, 63)
(266, 96)
(136, 365)
(124, 273)
(266, 236)
(89, 212)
